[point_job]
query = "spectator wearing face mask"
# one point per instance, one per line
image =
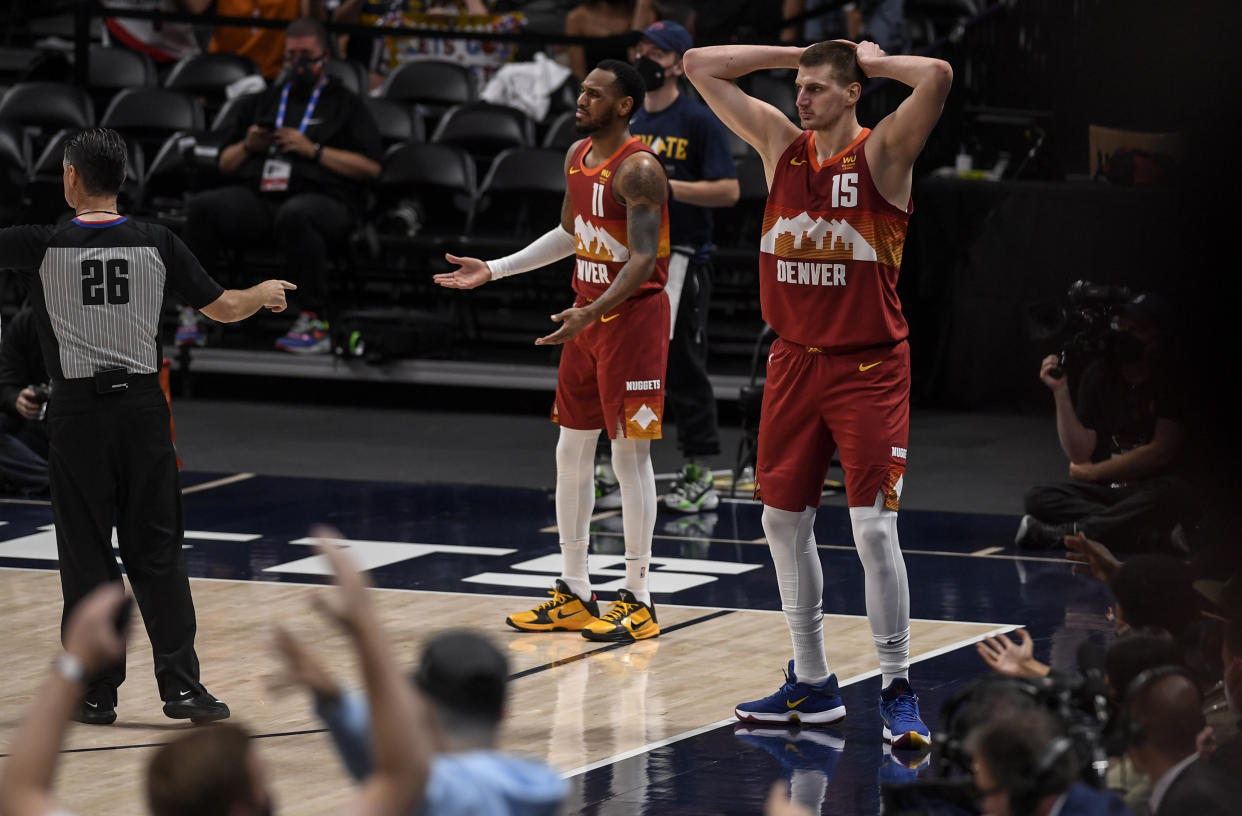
(300, 156)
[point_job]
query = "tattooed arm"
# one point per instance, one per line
(641, 186)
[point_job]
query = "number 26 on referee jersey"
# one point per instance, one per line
(105, 282)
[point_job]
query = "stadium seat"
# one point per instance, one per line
(350, 74)
(207, 75)
(435, 83)
(14, 170)
(113, 69)
(150, 115)
(397, 122)
(222, 114)
(484, 130)
(739, 226)
(39, 109)
(561, 132)
(522, 193)
(437, 181)
(738, 146)
(47, 105)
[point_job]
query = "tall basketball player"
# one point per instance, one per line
(611, 377)
(839, 372)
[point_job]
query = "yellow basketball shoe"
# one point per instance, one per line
(627, 620)
(566, 612)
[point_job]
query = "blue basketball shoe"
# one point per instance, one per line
(796, 703)
(899, 709)
(798, 749)
(902, 767)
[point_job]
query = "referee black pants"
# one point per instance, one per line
(111, 460)
(688, 393)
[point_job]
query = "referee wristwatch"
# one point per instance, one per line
(318, 152)
(69, 667)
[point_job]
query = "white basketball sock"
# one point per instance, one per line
(800, 578)
(631, 461)
(575, 499)
(887, 588)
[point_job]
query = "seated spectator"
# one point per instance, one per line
(483, 57)
(1025, 766)
(23, 402)
(463, 675)
(881, 21)
(216, 770)
(163, 41)
(1165, 710)
(302, 155)
(265, 46)
(609, 20)
(1122, 433)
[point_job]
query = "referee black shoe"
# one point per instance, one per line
(94, 712)
(197, 708)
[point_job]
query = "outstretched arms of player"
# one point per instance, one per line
(713, 71)
(899, 137)
(641, 185)
(550, 247)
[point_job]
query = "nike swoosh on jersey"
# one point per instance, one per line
(797, 163)
(862, 367)
(573, 170)
(606, 318)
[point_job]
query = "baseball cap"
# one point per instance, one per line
(465, 672)
(1146, 309)
(666, 35)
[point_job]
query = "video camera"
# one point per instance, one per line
(1086, 323)
(1078, 702)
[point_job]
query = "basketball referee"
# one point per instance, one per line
(97, 284)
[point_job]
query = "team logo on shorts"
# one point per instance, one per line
(892, 487)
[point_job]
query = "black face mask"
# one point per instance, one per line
(302, 75)
(650, 71)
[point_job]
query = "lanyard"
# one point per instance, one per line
(310, 107)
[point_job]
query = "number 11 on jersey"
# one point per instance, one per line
(597, 200)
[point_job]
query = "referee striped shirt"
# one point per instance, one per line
(97, 288)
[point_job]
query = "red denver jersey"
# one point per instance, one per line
(600, 225)
(831, 251)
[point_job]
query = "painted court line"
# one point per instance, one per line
(694, 732)
(227, 480)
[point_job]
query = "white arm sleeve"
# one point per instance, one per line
(548, 248)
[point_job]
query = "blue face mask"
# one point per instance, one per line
(651, 72)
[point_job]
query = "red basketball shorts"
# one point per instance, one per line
(612, 373)
(856, 403)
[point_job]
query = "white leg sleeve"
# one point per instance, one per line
(800, 577)
(631, 461)
(575, 499)
(888, 590)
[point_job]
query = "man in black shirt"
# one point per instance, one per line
(1122, 440)
(301, 153)
(96, 285)
(23, 406)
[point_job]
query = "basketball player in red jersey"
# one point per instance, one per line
(611, 376)
(839, 373)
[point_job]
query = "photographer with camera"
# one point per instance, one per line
(1122, 433)
(23, 396)
(1025, 766)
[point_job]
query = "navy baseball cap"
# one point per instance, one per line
(666, 35)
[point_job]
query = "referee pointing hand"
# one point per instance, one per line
(97, 286)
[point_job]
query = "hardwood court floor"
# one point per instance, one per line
(572, 702)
